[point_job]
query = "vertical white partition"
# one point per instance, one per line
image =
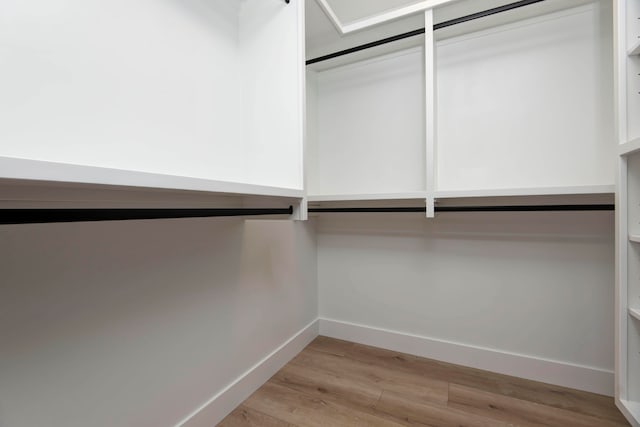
(628, 207)
(186, 88)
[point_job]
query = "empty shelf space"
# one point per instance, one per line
(634, 312)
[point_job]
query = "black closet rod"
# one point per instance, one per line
(512, 208)
(419, 31)
(41, 216)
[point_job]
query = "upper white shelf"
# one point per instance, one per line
(541, 191)
(634, 238)
(362, 197)
(635, 50)
(634, 312)
(35, 170)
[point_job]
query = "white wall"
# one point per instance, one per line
(528, 104)
(370, 131)
(139, 323)
(536, 284)
(154, 86)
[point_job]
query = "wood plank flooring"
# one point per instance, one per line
(339, 383)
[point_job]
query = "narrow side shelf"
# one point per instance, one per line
(634, 312)
(631, 408)
(629, 147)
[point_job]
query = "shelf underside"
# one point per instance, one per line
(26, 181)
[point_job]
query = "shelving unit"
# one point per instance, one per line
(627, 32)
(223, 117)
(380, 90)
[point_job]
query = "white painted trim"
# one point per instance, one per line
(381, 18)
(330, 13)
(227, 399)
(564, 374)
(37, 170)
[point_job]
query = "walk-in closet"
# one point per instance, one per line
(319, 212)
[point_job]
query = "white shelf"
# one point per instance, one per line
(630, 409)
(634, 312)
(634, 238)
(629, 147)
(541, 191)
(363, 197)
(35, 171)
(635, 50)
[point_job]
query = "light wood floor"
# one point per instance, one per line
(338, 383)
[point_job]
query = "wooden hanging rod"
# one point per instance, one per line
(42, 216)
(511, 208)
(419, 31)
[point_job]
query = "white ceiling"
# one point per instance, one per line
(354, 10)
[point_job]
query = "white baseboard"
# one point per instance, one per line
(225, 401)
(544, 370)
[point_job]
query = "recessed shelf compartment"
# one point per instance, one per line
(366, 127)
